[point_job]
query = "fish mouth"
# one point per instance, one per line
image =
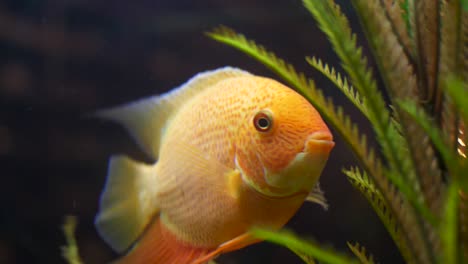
(320, 141)
(303, 172)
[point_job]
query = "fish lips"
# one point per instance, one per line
(319, 142)
(304, 170)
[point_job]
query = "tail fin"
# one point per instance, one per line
(159, 246)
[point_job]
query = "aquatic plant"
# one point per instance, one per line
(70, 249)
(417, 180)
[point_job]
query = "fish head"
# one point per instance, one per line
(284, 144)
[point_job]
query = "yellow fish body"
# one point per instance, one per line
(233, 151)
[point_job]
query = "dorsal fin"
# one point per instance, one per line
(147, 118)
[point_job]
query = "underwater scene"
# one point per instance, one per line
(248, 131)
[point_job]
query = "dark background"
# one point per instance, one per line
(62, 59)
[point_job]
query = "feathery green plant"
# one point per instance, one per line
(70, 250)
(418, 183)
(361, 253)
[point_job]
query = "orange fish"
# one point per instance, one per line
(233, 150)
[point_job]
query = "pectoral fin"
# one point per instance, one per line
(190, 170)
(316, 195)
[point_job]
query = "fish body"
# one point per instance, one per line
(233, 151)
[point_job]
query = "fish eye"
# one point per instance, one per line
(263, 121)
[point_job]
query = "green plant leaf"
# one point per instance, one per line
(397, 15)
(309, 248)
(465, 5)
(340, 82)
(458, 92)
(454, 40)
(449, 226)
(414, 151)
(360, 252)
(364, 184)
(457, 170)
(404, 5)
(306, 258)
(427, 40)
(70, 250)
(336, 26)
(438, 139)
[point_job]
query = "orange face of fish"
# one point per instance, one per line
(281, 139)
